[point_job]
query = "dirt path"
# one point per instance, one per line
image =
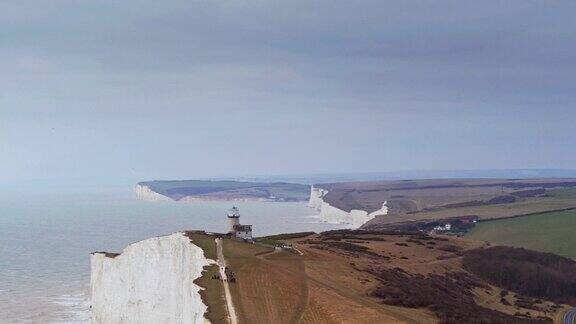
(222, 266)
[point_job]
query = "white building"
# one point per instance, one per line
(444, 228)
(243, 232)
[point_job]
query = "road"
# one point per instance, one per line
(570, 316)
(222, 265)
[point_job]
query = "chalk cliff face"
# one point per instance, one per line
(144, 192)
(331, 214)
(151, 281)
(316, 197)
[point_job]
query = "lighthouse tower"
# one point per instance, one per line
(233, 219)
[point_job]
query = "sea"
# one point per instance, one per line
(46, 240)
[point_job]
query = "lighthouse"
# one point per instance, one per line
(233, 219)
(243, 232)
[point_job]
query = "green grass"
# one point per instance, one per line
(553, 232)
(277, 240)
(205, 242)
(238, 254)
(213, 292)
(563, 193)
(270, 242)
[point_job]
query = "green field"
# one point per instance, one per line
(548, 232)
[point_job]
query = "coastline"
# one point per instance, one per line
(330, 214)
(121, 283)
(71, 226)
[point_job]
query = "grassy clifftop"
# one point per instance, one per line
(434, 198)
(228, 190)
(394, 277)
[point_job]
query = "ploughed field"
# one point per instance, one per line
(549, 232)
(419, 200)
(392, 277)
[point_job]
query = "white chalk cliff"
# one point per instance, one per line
(317, 197)
(151, 281)
(144, 192)
(331, 214)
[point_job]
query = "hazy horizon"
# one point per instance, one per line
(112, 92)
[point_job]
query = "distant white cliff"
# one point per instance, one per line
(317, 197)
(151, 281)
(144, 192)
(331, 214)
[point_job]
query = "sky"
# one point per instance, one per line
(139, 90)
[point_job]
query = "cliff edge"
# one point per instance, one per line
(144, 192)
(331, 214)
(151, 281)
(220, 190)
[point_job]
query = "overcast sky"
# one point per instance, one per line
(183, 89)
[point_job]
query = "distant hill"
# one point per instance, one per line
(439, 195)
(226, 190)
(434, 199)
(313, 178)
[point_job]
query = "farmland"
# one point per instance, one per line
(420, 200)
(548, 232)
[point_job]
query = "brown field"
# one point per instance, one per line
(284, 287)
(418, 258)
(370, 277)
(265, 291)
(338, 294)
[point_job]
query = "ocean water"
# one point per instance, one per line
(46, 239)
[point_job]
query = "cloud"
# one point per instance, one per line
(377, 76)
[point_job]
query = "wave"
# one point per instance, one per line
(75, 309)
